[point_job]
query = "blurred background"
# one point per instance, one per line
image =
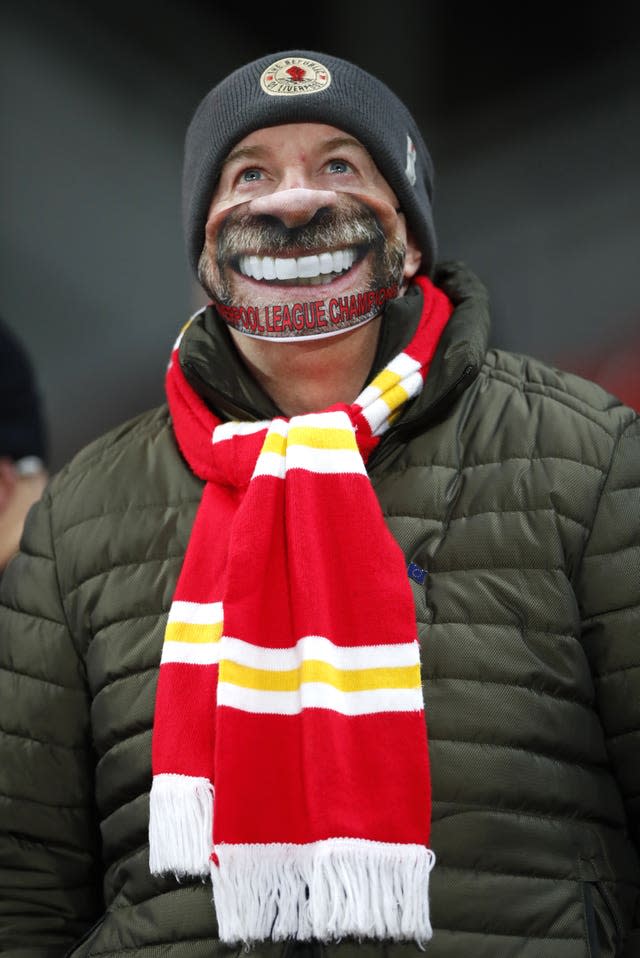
(531, 112)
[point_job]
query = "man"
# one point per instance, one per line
(342, 460)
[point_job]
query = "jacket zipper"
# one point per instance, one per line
(593, 945)
(612, 906)
(86, 937)
(589, 888)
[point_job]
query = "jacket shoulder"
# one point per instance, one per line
(126, 438)
(136, 466)
(563, 390)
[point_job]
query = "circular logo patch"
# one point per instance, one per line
(294, 75)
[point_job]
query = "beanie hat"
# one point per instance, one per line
(306, 87)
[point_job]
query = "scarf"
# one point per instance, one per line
(290, 675)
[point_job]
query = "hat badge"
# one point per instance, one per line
(293, 76)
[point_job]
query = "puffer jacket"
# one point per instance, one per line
(514, 491)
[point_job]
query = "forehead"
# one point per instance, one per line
(290, 137)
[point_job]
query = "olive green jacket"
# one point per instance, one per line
(515, 491)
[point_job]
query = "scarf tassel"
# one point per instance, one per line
(180, 825)
(325, 890)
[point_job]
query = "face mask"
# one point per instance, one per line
(285, 284)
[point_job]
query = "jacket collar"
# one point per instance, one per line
(461, 349)
(214, 368)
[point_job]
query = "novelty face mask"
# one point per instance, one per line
(284, 283)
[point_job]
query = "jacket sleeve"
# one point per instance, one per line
(48, 843)
(609, 594)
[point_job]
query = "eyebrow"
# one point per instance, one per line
(340, 142)
(244, 153)
(257, 152)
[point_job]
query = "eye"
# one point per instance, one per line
(339, 166)
(250, 175)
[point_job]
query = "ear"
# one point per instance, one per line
(413, 258)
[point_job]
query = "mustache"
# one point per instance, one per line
(330, 227)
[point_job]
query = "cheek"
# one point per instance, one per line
(218, 213)
(386, 214)
(211, 231)
(401, 231)
(392, 222)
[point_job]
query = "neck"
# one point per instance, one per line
(310, 376)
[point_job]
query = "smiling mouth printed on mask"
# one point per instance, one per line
(340, 269)
(311, 270)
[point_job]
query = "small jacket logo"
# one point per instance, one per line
(294, 75)
(417, 573)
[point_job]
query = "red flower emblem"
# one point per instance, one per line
(296, 73)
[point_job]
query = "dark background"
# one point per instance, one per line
(531, 112)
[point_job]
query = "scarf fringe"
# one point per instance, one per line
(180, 825)
(325, 890)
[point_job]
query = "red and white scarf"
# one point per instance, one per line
(290, 675)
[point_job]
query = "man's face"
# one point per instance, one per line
(304, 237)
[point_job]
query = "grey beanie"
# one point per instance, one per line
(307, 87)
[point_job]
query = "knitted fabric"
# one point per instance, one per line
(353, 101)
(290, 675)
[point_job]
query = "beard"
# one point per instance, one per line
(352, 225)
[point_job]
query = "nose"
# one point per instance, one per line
(293, 207)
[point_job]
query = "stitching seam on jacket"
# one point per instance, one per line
(481, 933)
(144, 422)
(539, 815)
(553, 394)
(40, 618)
(610, 552)
(491, 462)
(623, 668)
(98, 517)
(154, 614)
(82, 807)
(73, 639)
(39, 741)
(602, 768)
(467, 679)
(490, 512)
(36, 678)
(137, 563)
(603, 487)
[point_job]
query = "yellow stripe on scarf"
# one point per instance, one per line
(311, 437)
(313, 670)
(395, 397)
(188, 632)
(322, 438)
(385, 380)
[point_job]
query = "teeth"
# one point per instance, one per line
(308, 266)
(269, 267)
(286, 269)
(326, 263)
(303, 267)
(255, 266)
